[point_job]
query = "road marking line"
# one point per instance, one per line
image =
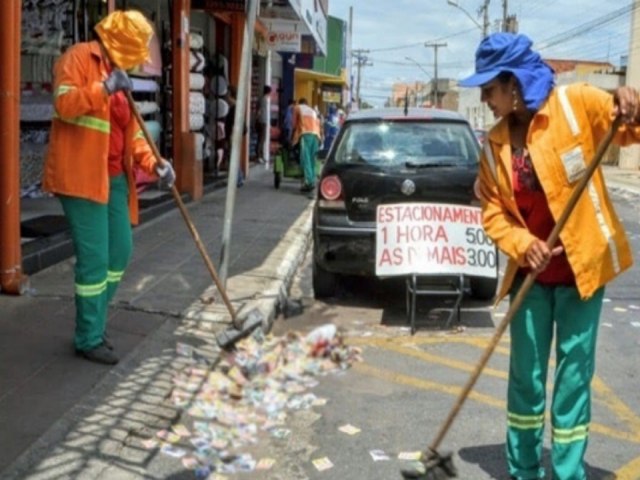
(480, 342)
(438, 359)
(394, 377)
(616, 405)
(423, 384)
(631, 471)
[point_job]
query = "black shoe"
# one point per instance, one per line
(99, 354)
(306, 188)
(106, 341)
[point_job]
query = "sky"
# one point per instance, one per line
(395, 32)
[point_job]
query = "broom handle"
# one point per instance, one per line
(183, 210)
(526, 285)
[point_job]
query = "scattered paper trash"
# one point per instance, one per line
(378, 455)
(349, 429)
(409, 456)
(265, 464)
(322, 464)
(246, 397)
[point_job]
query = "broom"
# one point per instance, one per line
(436, 466)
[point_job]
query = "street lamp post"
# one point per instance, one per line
(423, 70)
(484, 27)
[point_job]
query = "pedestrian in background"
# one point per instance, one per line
(306, 133)
(262, 124)
(287, 123)
(331, 127)
(95, 141)
(533, 158)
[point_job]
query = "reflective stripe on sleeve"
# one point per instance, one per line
(62, 89)
(604, 228)
(86, 121)
(568, 110)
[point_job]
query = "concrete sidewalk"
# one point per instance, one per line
(63, 417)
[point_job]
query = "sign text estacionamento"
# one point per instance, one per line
(432, 238)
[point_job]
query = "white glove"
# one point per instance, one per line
(117, 81)
(166, 173)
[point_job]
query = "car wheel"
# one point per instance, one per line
(324, 282)
(483, 288)
(276, 179)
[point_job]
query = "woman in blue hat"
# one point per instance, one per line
(534, 155)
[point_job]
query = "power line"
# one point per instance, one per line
(417, 44)
(587, 27)
(361, 61)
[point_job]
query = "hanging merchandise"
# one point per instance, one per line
(219, 109)
(197, 103)
(196, 42)
(196, 81)
(46, 31)
(196, 61)
(196, 122)
(218, 86)
(197, 100)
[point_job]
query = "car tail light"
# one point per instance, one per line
(331, 187)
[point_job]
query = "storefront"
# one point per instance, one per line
(168, 92)
(173, 93)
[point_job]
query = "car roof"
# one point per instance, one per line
(412, 113)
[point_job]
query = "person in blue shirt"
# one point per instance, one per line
(287, 123)
(331, 127)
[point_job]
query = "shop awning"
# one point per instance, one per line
(311, 75)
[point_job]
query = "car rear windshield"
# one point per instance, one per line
(408, 144)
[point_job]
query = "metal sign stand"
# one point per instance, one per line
(454, 287)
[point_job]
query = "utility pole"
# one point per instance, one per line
(485, 17)
(361, 61)
(505, 15)
(630, 156)
(435, 46)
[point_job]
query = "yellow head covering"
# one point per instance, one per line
(126, 36)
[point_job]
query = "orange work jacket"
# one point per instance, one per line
(305, 120)
(562, 139)
(77, 159)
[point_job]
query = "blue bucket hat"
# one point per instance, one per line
(509, 52)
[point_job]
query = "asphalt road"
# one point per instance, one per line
(400, 394)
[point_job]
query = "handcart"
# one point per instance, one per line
(286, 164)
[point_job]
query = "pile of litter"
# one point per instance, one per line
(249, 391)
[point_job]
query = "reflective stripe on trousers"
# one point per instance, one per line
(102, 241)
(547, 310)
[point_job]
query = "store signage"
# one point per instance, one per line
(331, 97)
(284, 41)
(219, 5)
(315, 21)
(432, 238)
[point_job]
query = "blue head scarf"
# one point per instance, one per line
(509, 52)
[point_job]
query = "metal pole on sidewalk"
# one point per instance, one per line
(236, 136)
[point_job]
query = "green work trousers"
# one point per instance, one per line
(575, 321)
(308, 151)
(103, 242)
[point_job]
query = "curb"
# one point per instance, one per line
(273, 279)
(264, 288)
